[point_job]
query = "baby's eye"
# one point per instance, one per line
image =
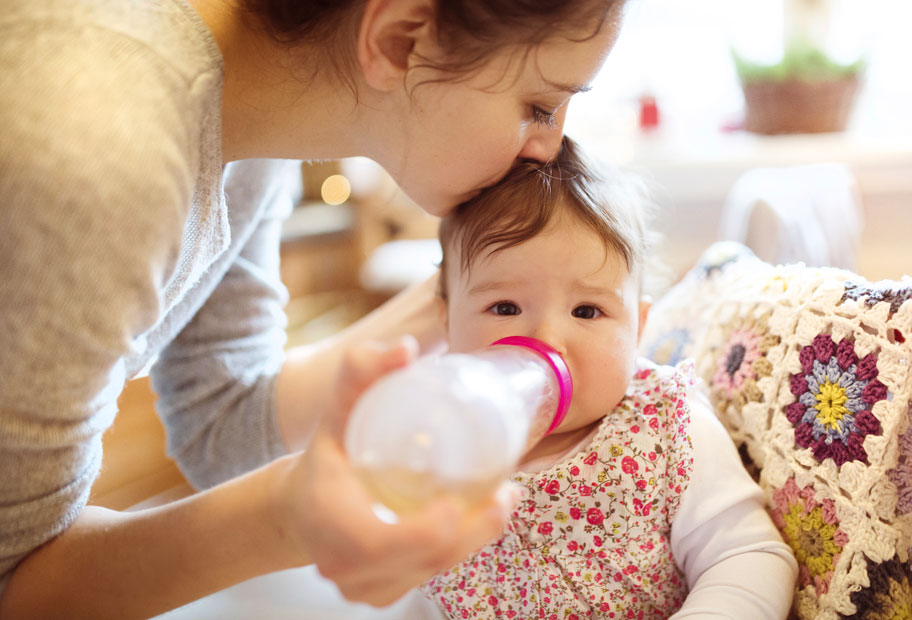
(586, 312)
(505, 308)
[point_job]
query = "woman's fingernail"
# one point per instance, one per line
(508, 495)
(410, 344)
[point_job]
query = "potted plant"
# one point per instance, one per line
(806, 92)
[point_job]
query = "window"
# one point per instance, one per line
(679, 51)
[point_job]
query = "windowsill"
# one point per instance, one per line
(312, 221)
(888, 158)
(691, 172)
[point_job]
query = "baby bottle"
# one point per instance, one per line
(457, 423)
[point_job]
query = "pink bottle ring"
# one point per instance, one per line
(558, 365)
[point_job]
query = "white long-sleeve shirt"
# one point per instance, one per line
(734, 559)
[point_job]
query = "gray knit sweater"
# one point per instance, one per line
(124, 240)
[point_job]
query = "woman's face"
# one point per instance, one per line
(459, 137)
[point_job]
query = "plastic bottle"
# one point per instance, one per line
(456, 423)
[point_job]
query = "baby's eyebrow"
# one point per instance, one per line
(485, 287)
(598, 291)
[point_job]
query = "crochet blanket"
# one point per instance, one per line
(810, 370)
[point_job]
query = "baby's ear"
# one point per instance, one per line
(645, 305)
(443, 313)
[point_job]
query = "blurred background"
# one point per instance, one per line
(786, 124)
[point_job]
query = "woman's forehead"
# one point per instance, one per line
(562, 64)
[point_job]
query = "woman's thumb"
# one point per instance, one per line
(365, 363)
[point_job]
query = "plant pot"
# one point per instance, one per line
(798, 106)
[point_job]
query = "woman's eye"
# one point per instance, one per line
(586, 312)
(505, 308)
(540, 116)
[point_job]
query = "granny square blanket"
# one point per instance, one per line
(810, 370)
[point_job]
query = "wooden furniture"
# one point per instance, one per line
(134, 466)
(321, 255)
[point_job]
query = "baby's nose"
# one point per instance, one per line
(548, 334)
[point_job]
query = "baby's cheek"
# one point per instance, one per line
(591, 405)
(602, 393)
(465, 335)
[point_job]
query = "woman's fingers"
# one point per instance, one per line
(406, 554)
(371, 560)
(363, 365)
(447, 530)
(485, 523)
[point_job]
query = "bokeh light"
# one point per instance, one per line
(335, 190)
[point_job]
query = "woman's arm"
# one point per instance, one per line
(733, 557)
(304, 508)
(300, 390)
(131, 565)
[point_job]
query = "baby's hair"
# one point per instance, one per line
(613, 204)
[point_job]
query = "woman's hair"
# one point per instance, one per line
(468, 31)
(613, 204)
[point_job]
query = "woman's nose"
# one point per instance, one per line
(543, 143)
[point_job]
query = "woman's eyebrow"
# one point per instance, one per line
(568, 88)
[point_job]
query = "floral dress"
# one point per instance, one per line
(590, 538)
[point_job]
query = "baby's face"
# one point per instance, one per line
(561, 287)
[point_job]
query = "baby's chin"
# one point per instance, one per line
(585, 413)
(574, 424)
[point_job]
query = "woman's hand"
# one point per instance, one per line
(303, 390)
(331, 513)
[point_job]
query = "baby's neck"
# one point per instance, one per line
(555, 447)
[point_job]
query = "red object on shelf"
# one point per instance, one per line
(649, 112)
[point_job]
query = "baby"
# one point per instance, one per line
(637, 505)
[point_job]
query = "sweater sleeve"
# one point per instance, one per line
(94, 183)
(734, 560)
(216, 379)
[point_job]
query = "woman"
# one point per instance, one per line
(141, 226)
